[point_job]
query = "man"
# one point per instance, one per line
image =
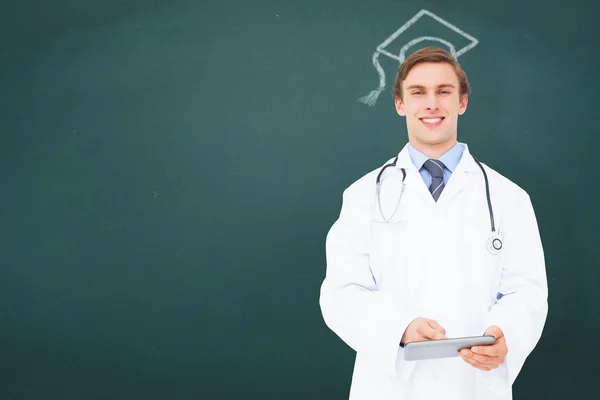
(421, 268)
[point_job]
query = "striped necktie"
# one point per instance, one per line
(436, 169)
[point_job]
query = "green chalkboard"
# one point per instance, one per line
(170, 170)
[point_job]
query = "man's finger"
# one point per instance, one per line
(438, 332)
(432, 334)
(494, 331)
(470, 362)
(435, 325)
(482, 359)
(490, 350)
(485, 359)
(427, 332)
(476, 364)
(440, 336)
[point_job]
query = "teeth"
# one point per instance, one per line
(431, 120)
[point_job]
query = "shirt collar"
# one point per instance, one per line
(451, 158)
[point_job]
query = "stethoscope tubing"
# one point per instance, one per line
(487, 192)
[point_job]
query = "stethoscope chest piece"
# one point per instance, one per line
(494, 245)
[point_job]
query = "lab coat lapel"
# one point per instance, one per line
(414, 181)
(461, 176)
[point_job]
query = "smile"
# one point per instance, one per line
(432, 122)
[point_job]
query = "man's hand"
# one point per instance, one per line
(423, 329)
(487, 357)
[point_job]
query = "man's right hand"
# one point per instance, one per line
(423, 329)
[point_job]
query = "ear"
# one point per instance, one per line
(399, 107)
(462, 107)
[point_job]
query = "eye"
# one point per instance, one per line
(417, 93)
(445, 92)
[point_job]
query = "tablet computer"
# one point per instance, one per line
(443, 348)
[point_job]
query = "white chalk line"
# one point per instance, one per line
(372, 97)
(423, 38)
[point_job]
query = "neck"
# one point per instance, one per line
(435, 150)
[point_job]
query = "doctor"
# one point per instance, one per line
(415, 262)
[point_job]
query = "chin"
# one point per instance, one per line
(435, 139)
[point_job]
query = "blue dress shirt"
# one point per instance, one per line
(450, 159)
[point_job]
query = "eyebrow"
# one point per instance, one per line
(443, 85)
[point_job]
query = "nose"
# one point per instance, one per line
(432, 102)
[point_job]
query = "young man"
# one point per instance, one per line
(418, 264)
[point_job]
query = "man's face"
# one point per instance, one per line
(431, 104)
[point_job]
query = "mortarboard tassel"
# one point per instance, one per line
(372, 97)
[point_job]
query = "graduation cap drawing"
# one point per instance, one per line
(467, 42)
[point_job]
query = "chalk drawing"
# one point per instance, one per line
(372, 97)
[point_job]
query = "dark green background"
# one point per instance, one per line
(170, 170)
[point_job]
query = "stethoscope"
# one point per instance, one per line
(493, 244)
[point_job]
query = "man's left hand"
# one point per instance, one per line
(487, 357)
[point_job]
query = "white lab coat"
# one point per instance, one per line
(433, 263)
